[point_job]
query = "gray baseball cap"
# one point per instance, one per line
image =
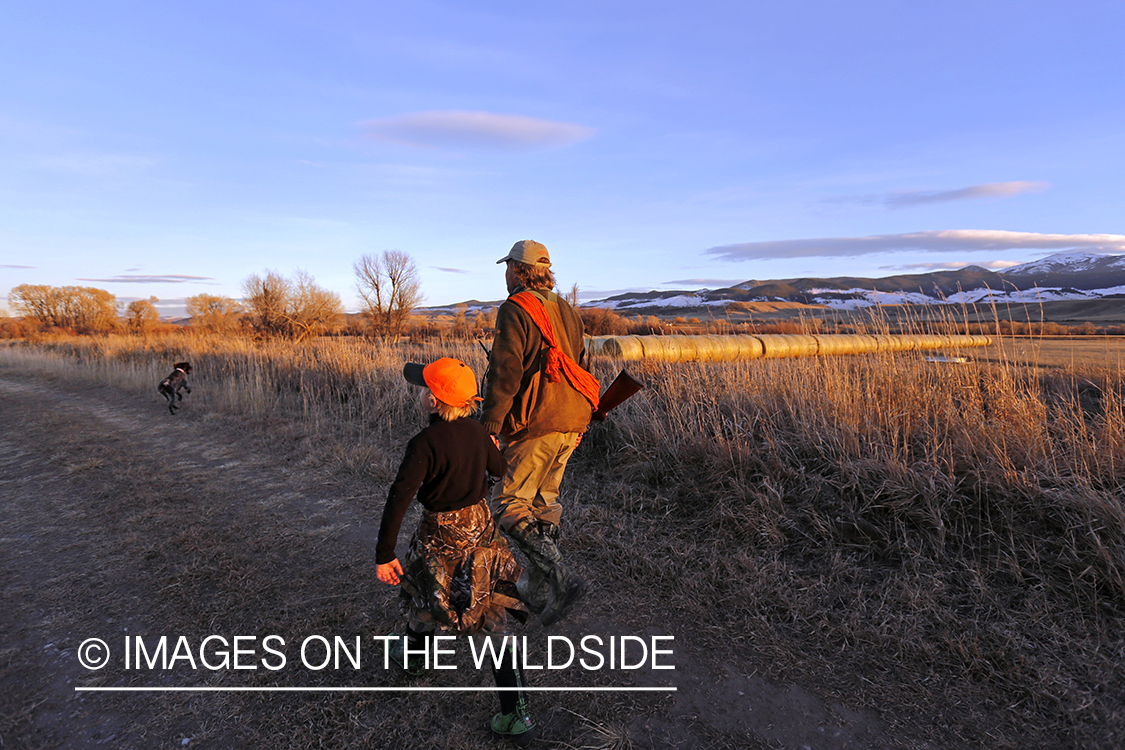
(530, 252)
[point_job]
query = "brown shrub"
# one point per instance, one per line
(601, 321)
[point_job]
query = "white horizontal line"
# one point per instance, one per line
(205, 689)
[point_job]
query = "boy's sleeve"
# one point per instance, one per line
(496, 464)
(411, 473)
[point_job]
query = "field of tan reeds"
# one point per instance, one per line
(941, 544)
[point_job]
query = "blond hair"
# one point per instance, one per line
(450, 413)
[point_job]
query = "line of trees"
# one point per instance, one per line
(81, 309)
(388, 285)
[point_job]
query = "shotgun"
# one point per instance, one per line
(622, 387)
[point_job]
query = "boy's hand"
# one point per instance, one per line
(389, 573)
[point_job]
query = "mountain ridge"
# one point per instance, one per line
(1061, 276)
(1057, 277)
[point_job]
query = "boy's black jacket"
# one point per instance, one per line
(445, 464)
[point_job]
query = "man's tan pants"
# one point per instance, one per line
(530, 488)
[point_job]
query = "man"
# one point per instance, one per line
(538, 402)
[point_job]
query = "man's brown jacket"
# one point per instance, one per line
(518, 399)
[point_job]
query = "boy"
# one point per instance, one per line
(459, 575)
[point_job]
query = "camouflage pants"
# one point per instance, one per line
(460, 577)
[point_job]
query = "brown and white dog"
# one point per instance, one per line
(170, 386)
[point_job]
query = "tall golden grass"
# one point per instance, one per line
(902, 520)
(1053, 442)
(963, 525)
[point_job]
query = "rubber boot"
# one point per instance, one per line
(564, 588)
(565, 591)
(416, 663)
(514, 722)
(533, 586)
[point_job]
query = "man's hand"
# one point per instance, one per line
(389, 573)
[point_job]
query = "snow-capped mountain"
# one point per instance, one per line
(1067, 263)
(1061, 276)
(1078, 271)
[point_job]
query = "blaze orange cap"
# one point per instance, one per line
(450, 380)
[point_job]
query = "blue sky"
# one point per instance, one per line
(172, 149)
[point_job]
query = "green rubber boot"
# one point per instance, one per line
(516, 726)
(415, 664)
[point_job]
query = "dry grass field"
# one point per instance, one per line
(1078, 352)
(856, 552)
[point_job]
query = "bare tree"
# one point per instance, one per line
(141, 315)
(267, 297)
(297, 308)
(94, 310)
(39, 302)
(572, 296)
(213, 313)
(389, 287)
(484, 321)
(460, 327)
(81, 308)
(312, 309)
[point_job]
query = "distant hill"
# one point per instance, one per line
(471, 306)
(1056, 278)
(1063, 276)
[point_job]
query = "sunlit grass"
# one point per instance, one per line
(857, 518)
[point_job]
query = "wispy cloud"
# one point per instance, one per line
(476, 130)
(450, 270)
(909, 198)
(710, 283)
(159, 304)
(168, 308)
(988, 190)
(944, 241)
(146, 279)
(6, 265)
(992, 265)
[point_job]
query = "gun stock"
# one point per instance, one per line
(622, 387)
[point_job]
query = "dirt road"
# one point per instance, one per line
(119, 520)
